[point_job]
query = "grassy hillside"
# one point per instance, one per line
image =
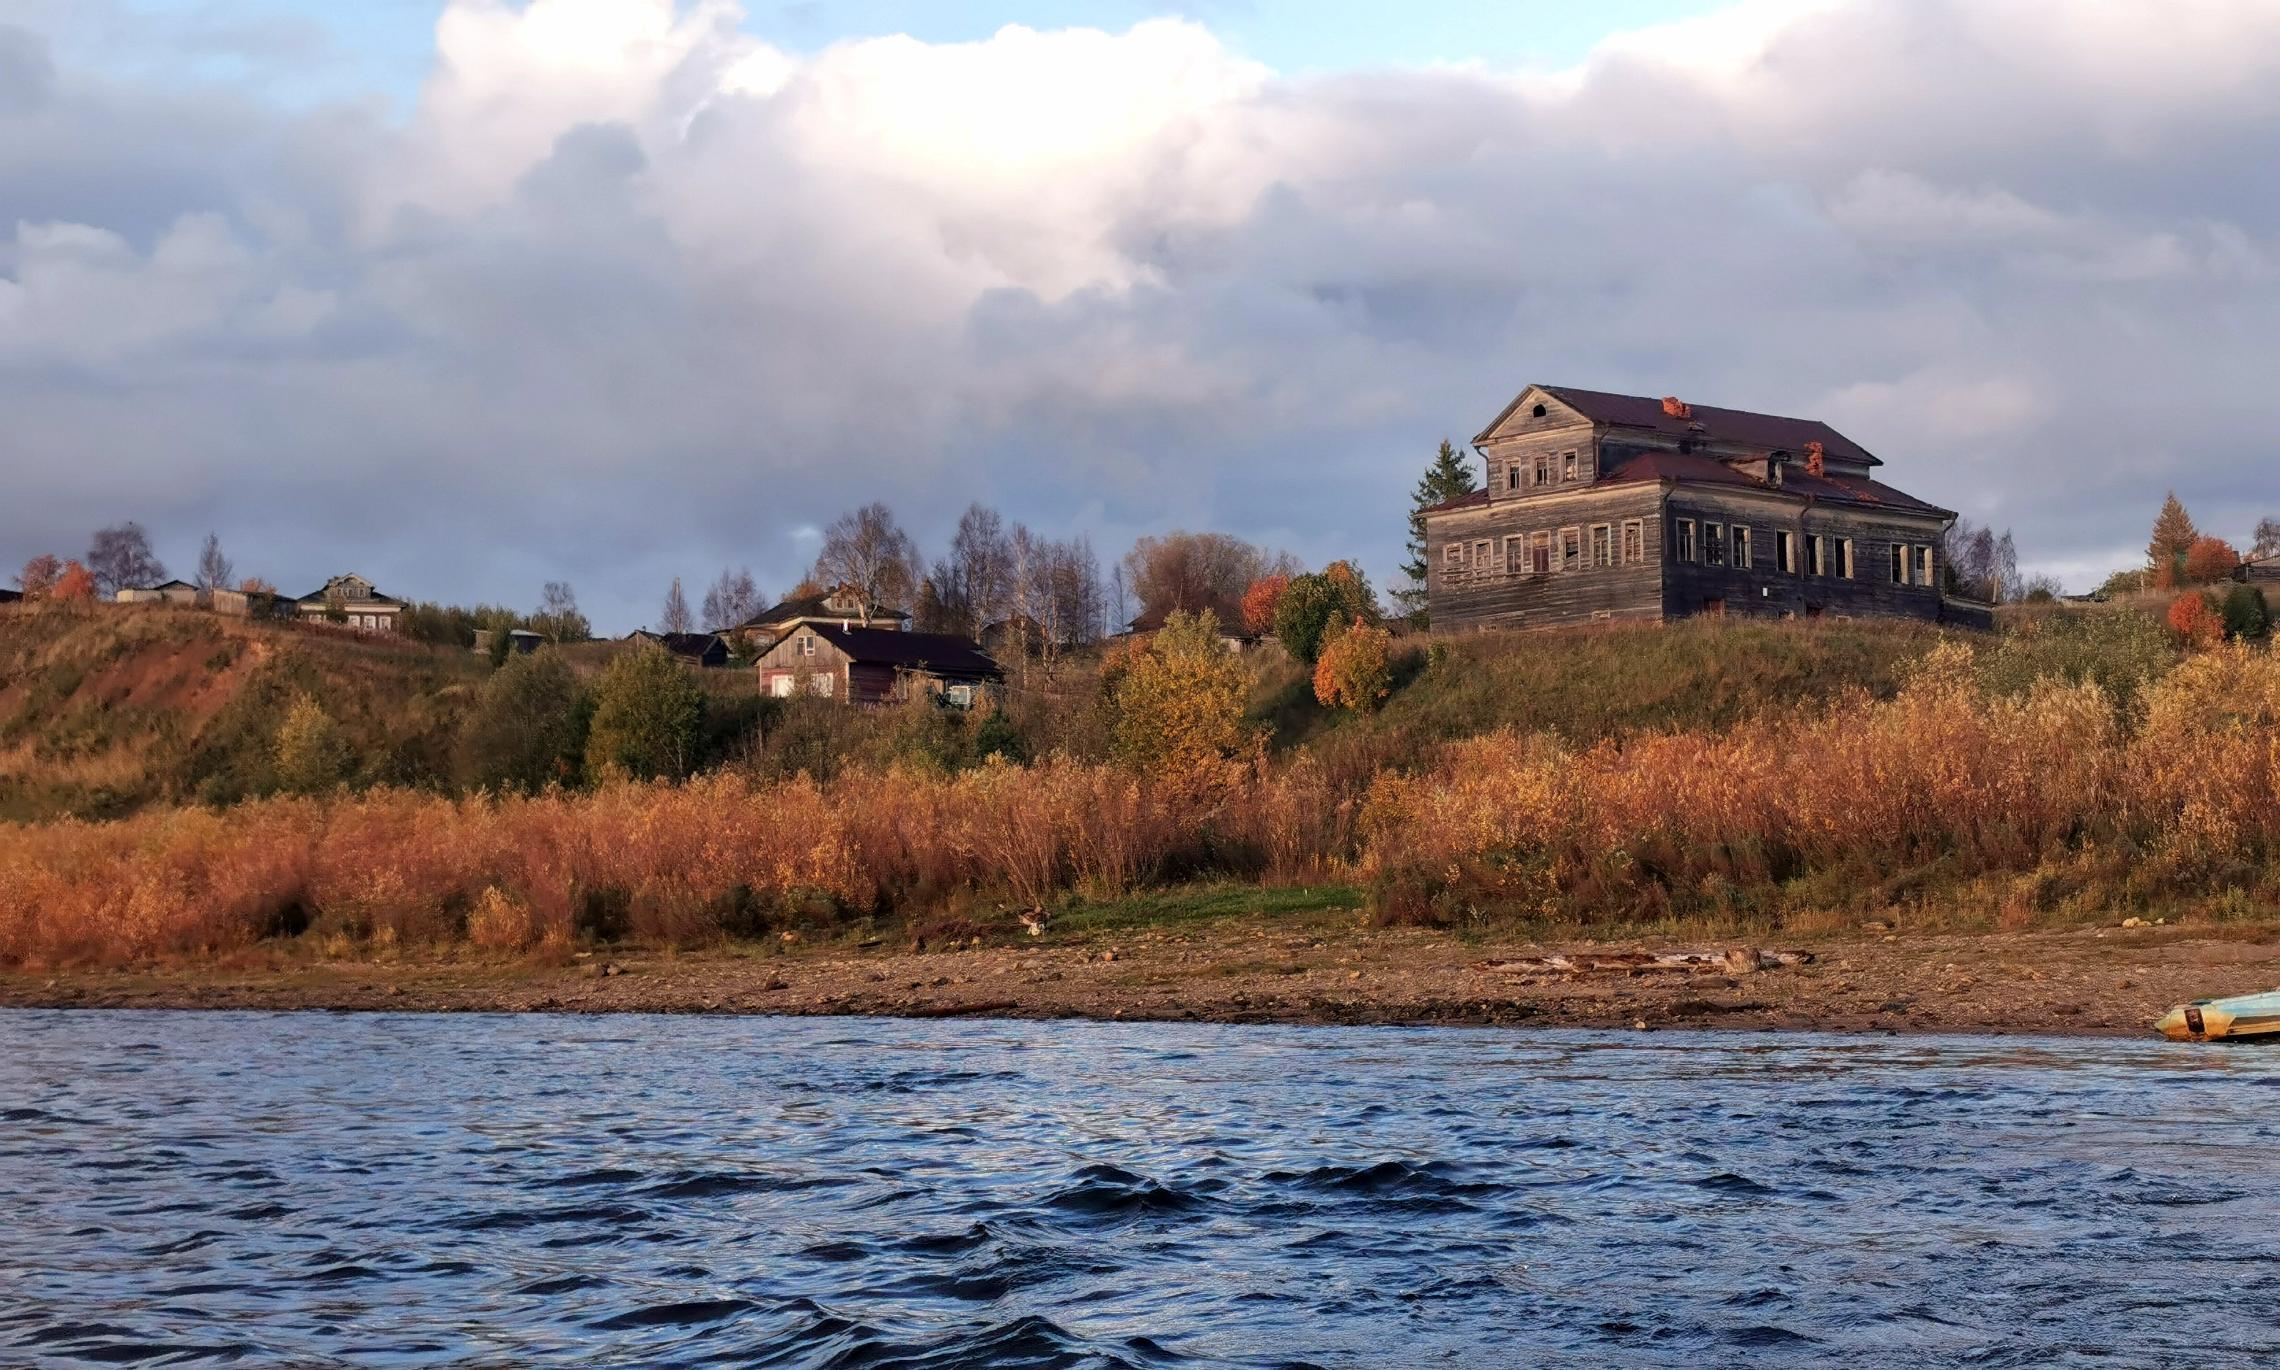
(107, 708)
(1586, 684)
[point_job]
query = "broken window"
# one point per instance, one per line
(1482, 550)
(1512, 476)
(1540, 553)
(1742, 557)
(1453, 559)
(1567, 467)
(1899, 563)
(1844, 558)
(1924, 566)
(1682, 542)
(1785, 551)
(1512, 555)
(1714, 544)
(1634, 542)
(1543, 470)
(1602, 545)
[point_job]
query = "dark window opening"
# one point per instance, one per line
(1538, 411)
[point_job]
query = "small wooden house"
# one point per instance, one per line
(845, 607)
(352, 600)
(1603, 507)
(1233, 635)
(876, 665)
(692, 649)
(520, 641)
(2259, 571)
(168, 592)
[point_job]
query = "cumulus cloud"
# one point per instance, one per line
(630, 293)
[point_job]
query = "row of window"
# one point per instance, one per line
(1692, 541)
(1546, 470)
(1719, 544)
(1542, 552)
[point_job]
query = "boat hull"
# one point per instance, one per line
(2217, 1020)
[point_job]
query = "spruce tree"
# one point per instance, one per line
(2173, 536)
(1446, 477)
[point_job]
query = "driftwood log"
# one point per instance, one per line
(1726, 960)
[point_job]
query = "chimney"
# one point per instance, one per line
(1677, 408)
(1816, 464)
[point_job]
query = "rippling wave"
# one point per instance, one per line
(400, 1190)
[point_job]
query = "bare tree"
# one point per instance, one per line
(1193, 571)
(214, 569)
(120, 556)
(1982, 563)
(979, 569)
(2267, 540)
(868, 550)
(676, 617)
(733, 598)
(558, 617)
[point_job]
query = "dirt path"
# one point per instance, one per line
(2089, 981)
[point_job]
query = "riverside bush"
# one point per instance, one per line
(2054, 793)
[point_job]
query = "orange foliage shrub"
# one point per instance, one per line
(75, 583)
(2210, 560)
(1261, 601)
(2195, 620)
(1355, 670)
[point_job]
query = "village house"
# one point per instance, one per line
(2259, 571)
(876, 665)
(1604, 507)
(692, 649)
(1233, 635)
(169, 592)
(845, 607)
(520, 641)
(350, 599)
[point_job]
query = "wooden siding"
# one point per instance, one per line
(1765, 589)
(1503, 594)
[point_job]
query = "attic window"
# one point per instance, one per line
(1538, 411)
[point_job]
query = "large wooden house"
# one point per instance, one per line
(843, 606)
(350, 599)
(1604, 507)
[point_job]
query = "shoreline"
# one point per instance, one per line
(2083, 982)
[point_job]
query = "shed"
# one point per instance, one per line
(877, 665)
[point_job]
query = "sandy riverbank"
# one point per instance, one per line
(2083, 981)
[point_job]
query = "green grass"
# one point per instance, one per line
(1190, 904)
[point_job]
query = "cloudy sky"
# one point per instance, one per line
(475, 295)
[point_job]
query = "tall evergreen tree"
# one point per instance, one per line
(2173, 536)
(1446, 477)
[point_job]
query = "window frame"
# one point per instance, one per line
(1901, 564)
(1785, 551)
(1683, 548)
(1845, 562)
(1634, 542)
(1571, 549)
(1713, 544)
(1515, 553)
(1568, 467)
(1743, 551)
(1602, 541)
(1540, 552)
(1925, 566)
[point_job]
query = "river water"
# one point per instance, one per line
(395, 1190)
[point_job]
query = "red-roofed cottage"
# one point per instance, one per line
(1606, 507)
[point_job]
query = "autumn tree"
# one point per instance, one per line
(1446, 477)
(1260, 603)
(1339, 593)
(973, 583)
(1176, 701)
(1182, 571)
(255, 585)
(1355, 671)
(2195, 620)
(2209, 560)
(675, 617)
(734, 598)
(120, 556)
(37, 579)
(647, 713)
(2173, 536)
(558, 618)
(868, 551)
(528, 727)
(312, 757)
(75, 585)
(214, 569)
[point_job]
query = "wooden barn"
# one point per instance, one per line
(876, 665)
(1602, 508)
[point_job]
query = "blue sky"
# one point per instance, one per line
(303, 51)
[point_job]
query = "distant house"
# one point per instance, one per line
(170, 592)
(2260, 571)
(252, 604)
(355, 602)
(876, 665)
(846, 607)
(696, 649)
(1232, 634)
(520, 641)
